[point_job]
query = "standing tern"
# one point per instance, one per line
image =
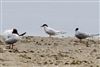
(12, 36)
(51, 31)
(81, 35)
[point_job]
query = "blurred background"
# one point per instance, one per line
(64, 16)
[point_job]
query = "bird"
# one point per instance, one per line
(11, 36)
(81, 35)
(50, 31)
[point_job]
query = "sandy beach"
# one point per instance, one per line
(35, 51)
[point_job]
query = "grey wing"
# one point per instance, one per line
(82, 35)
(51, 32)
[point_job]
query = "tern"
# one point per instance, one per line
(12, 36)
(50, 31)
(81, 35)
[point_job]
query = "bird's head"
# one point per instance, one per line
(44, 25)
(76, 29)
(15, 31)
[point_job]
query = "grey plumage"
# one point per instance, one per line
(81, 35)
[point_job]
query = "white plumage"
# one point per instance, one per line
(11, 36)
(50, 31)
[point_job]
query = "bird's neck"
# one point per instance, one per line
(45, 28)
(76, 32)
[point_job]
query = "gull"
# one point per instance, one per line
(81, 35)
(50, 31)
(12, 36)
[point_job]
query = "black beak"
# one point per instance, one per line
(22, 34)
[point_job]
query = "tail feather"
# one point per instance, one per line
(62, 32)
(94, 35)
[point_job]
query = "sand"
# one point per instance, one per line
(34, 51)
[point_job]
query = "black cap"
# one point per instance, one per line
(44, 25)
(76, 29)
(15, 31)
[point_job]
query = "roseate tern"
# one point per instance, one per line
(50, 31)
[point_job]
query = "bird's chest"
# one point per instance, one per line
(10, 41)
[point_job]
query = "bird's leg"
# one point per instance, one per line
(12, 46)
(9, 47)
